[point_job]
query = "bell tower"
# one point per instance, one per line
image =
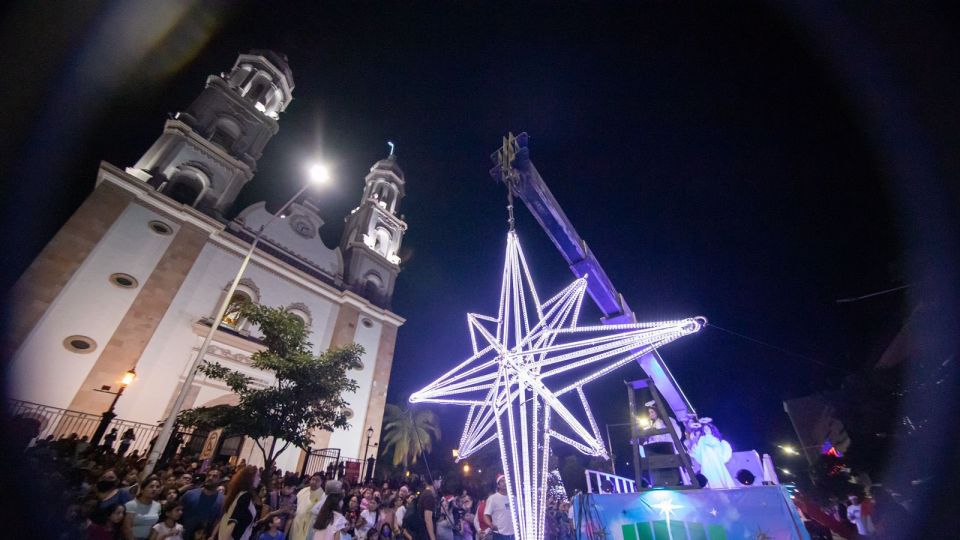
(208, 152)
(373, 233)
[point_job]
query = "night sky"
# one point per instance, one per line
(713, 157)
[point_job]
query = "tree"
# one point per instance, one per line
(306, 393)
(409, 432)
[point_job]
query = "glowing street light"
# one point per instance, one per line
(788, 449)
(109, 414)
(317, 173)
(466, 468)
(456, 453)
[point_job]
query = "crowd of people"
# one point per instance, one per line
(102, 497)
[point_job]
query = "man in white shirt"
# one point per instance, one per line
(496, 512)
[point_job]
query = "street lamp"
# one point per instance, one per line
(456, 453)
(317, 173)
(109, 415)
(466, 468)
(788, 449)
(369, 468)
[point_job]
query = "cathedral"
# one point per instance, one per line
(134, 278)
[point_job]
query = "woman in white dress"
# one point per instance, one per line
(712, 453)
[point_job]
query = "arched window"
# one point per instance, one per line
(393, 198)
(372, 283)
(185, 192)
(273, 101)
(225, 133)
(233, 318)
(186, 186)
(381, 243)
(259, 91)
(302, 312)
(240, 75)
(386, 195)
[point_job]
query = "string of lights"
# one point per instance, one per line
(502, 383)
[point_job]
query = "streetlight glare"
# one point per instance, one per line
(318, 173)
(128, 378)
(787, 449)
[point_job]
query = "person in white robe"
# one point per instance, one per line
(712, 453)
(307, 499)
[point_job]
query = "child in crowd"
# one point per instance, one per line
(273, 531)
(106, 523)
(168, 528)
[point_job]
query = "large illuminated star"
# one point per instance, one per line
(528, 343)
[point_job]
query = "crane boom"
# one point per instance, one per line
(514, 168)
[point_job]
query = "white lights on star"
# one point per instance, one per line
(528, 344)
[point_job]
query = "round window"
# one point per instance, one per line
(348, 412)
(367, 323)
(302, 226)
(80, 344)
(160, 227)
(124, 280)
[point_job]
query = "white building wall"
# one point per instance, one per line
(167, 357)
(369, 338)
(43, 371)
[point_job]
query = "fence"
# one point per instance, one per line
(601, 482)
(318, 460)
(64, 422)
(329, 459)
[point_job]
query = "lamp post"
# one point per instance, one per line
(317, 174)
(109, 414)
(365, 466)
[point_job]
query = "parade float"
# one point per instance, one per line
(523, 387)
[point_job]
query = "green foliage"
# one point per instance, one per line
(409, 433)
(306, 394)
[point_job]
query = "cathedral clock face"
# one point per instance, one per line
(303, 227)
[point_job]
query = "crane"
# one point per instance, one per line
(513, 167)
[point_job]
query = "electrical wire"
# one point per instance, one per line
(776, 348)
(871, 295)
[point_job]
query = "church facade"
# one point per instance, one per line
(134, 277)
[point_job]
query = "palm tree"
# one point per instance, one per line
(409, 432)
